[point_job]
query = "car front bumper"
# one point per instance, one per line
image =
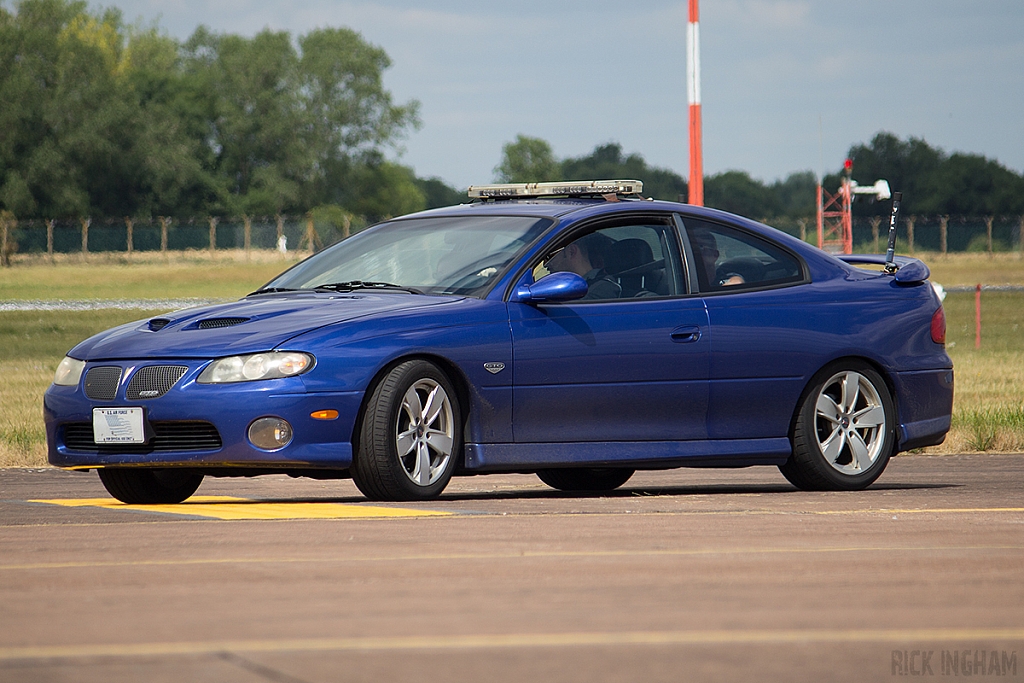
(228, 409)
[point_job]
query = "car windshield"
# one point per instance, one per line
(442, 255)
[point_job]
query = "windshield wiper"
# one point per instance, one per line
(270, 290)
(353, 285)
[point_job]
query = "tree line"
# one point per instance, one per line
(101, 118)
(104, 118)
(932, 181)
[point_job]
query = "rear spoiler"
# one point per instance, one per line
(909, 271)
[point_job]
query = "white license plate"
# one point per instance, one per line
(118, 425)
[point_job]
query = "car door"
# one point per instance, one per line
(762, 327)
(629, 364)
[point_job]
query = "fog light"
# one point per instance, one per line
(270, 433)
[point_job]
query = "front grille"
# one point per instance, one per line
(153, 381)
(101, 382)
(168, 436)
(213, 323)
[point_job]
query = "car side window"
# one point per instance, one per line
(727, 259)
(622, 260)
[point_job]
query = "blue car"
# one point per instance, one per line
(572, 330)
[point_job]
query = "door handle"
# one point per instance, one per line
(686, 334)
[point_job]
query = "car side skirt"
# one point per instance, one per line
(637, 454)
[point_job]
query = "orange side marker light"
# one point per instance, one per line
(324, 415)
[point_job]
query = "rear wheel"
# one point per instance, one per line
(843, 433)
(137, 486)
(410, 435)
(585, 478)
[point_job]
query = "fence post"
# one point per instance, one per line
(988, 235)
(346, 227)
(977, 317)
(247, 233)
(943, 230)
(910, 232)
(86, 222)
(164, 223)
(129, 225)
(875, 222)
(280, 229)
(802, 222)
(1020, 236)
(213, 234)
(4, 258)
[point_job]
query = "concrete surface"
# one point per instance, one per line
(685, 575)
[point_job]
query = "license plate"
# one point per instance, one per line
(118, 425)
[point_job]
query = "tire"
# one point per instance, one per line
(585, 478)
(137, 486)
(410, 436)
(843, 434)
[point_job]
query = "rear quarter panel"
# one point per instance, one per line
(766, 347)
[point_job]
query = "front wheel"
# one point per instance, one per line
(843, 434)
(585, 478)
(410, 435)
(138, 486)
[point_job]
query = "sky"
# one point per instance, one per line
(787, 85)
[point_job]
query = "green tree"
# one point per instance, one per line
(607, 162)
(737, 192)
(527, 160)
(932, 181)
(92, 129)
(382, 189)
(439, 193)
(795, 196)
(973, 185)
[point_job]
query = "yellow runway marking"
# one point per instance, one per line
(522, 555)
(518, 640)
(227, 507)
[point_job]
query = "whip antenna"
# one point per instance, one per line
(890, 254)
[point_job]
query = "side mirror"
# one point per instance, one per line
(553, 287)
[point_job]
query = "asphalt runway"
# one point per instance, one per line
(685, 575)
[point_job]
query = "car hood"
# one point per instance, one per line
(253, 324)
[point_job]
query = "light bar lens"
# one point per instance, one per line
(568, 188)
(272, 365)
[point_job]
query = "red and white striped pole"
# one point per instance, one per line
(696, 184)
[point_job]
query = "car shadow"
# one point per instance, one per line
(623, 492)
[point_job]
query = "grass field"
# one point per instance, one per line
(149, 275)
(988, 412)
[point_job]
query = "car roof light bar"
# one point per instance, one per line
(568, 188)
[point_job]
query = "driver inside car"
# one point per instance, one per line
(583, 257)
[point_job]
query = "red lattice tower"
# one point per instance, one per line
(835, 216)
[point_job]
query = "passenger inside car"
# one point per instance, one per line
(705, 243)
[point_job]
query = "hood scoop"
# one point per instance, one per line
(157, 324)
(216, 323)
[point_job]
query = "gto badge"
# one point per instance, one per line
(494, 368)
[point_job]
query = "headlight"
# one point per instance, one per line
(256, 366)
(69, 372)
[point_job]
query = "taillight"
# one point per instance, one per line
(939, 326)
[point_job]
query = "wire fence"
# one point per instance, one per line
(88, 236)
(943, 234)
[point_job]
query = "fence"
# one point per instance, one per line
(942, 234)
(162, 234)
